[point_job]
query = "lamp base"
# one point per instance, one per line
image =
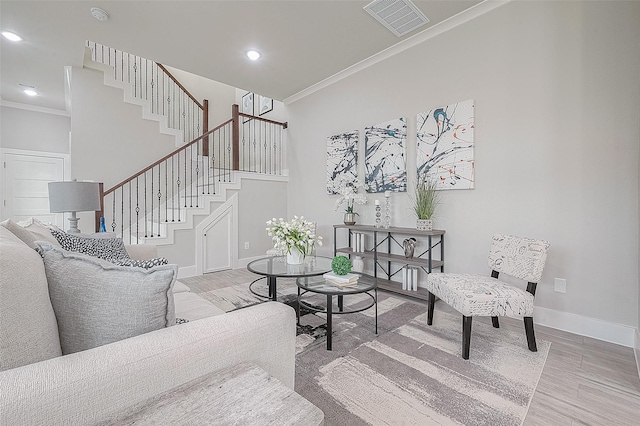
(73, 224)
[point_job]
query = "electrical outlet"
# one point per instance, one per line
(246, 245)
(560, 285)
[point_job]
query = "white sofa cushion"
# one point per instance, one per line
(179, 287)
(41, 230)
(97, 302)
(192, 307)
(28, 328)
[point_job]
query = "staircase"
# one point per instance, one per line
(198, 176)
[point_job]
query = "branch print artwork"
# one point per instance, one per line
(342, 160)
(445, 145)
(385, 162)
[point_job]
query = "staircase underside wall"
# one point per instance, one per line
(258, 201)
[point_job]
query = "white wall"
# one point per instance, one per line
(22, 128)
(556, 90)
(258, 202)
(109, 139)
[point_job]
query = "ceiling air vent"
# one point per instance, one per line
(399, 16)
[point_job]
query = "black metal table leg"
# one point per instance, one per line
(298, 307)
(329, 314)
(340, 303)
(376, 307)
(271, 281)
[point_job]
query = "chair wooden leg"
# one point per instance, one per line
(466, 336)
(531, 336)
(495, 322)
(430, 305)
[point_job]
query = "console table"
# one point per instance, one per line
(387, 253)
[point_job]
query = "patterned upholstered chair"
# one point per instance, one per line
(477, 295)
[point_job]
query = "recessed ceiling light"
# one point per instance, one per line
(253, 54)
(28, 90)
(99, 14)
(11, 36)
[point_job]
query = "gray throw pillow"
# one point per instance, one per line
(97, 302)
(104, 248)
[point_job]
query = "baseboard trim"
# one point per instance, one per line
(586, 326)
(242, 263)
(187, 271)
(636, 350)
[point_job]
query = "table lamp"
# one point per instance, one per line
(72, 197)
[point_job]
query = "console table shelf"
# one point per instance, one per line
(385, 261)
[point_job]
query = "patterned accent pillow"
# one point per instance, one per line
(146, 264)
(181, 321)
(103, 248)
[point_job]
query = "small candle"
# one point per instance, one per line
(377, 202)
(387, 194)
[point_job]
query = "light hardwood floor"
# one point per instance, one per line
(584, 381)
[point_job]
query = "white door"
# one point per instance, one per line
(26, 191)
(217, 242)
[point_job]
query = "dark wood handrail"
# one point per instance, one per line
(166, 71)
(266, 120)
(166, 157)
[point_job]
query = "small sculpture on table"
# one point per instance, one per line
(409, 246)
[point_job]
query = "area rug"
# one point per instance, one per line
(409, 373)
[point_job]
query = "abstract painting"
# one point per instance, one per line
(342, 160)
(385, 162)
(445, 145)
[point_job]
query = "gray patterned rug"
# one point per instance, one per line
(410, 373)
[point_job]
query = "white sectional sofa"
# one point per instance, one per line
(40, 385)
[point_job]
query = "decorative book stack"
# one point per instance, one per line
(357, 241)
(410, 278)
(349, 280)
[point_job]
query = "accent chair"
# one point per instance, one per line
(478, 295)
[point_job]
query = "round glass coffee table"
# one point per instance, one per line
(273, 267)
(365, 285)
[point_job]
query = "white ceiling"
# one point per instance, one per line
(302, 42)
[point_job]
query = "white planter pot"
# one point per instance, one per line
(295, 257)
(424, 225)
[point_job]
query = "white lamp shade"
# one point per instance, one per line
(74, 196)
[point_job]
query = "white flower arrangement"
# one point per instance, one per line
(349, 194)
(298, 233)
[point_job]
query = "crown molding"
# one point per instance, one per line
(421, 37)
(34, 108)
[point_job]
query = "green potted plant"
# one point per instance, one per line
(425, 201)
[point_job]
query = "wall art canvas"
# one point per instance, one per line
(445, 145)
(385, 160)
(247, 105)
(342, 160)
(266, 104)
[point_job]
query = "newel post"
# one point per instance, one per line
(100, 213)
(205, 127)
(235, 138)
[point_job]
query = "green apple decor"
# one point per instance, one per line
(341, 265)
